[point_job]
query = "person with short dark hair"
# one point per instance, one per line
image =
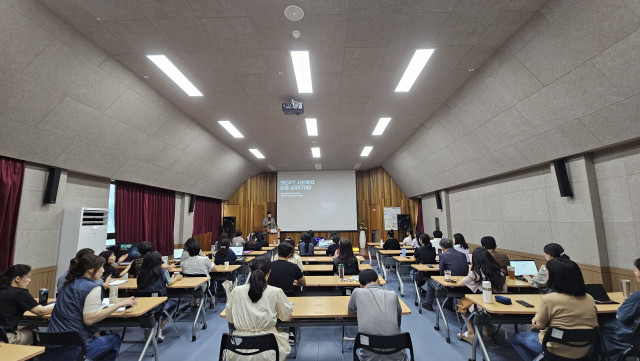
(264, 242)
(489, 243)
(196, 264)
(391, 244)
(617, 332)
(344, 255)
(451, 260)
(568, 306)
(331, 250)
(185, 253)
(255, 308)
(143, 248)
(435, 242)
(79, 307)
(15, 300)
(378, 311)
(238, 241)
(306, 245)
(284, 273)
(268, 223)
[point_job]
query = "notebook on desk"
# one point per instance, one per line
(599, 294)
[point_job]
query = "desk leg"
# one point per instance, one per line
(478, 322)
(384, 268)
(400, 284)
(247, 280)
(440, 291)
(417, 296)
(370, 259)
(151, 339)
(195, 321)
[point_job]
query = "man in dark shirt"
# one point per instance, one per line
(331, 251)
(489, 243)
(451, 260)
(391, 243)
(283, 272)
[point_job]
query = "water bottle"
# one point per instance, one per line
(341, 271)
(113, 294)
(487, 293)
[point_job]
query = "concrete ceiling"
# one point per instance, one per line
(234, 52)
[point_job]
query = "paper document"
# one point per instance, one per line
(117, 282)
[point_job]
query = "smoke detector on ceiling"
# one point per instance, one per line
(293, 13)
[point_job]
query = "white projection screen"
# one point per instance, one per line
(321, 201)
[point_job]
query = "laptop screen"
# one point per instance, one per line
(237, 251)
(177, 253)
(325, 244)
(527, 267)
(597, 291)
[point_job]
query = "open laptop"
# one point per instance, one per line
(325, 243)
(599, 294)
(238, 251)
(177, 253)
(524, 267)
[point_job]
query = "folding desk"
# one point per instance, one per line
(12, 352)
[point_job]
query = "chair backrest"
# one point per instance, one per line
(634, 349)
(61, 345)
(249, 345)
(3, 335)
(577, 338)
(383, 344)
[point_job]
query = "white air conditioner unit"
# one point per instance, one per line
(81, 228)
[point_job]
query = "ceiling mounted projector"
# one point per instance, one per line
(295, 107)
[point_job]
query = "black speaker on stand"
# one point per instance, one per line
(404, 222)
(229, 226)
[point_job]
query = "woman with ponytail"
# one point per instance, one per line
(254, 309)
(15, 299)
(551, 251)
(78, 308)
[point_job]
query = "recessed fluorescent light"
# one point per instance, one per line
(176, 75)
(357, 166)
(381, 126)
(231, 129)
(366, 150)
(312, 127)
(417, 63)
(318, 166)
(271, 167)
(256, 153)
(302, 69)
(315, 151)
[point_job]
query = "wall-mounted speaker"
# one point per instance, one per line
(51, 191)
(192, 203)
(229, 226)
(404, 222)
(438, 200)
(563, 178)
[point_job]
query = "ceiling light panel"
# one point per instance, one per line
(417, 63)
(231, 129)
(312, 127)
(256, 153)
(366, 150)
(315, 152)
(381, 126)
(302, 70)
(174, 74)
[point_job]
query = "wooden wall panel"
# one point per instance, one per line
(43, 278)
(374, 186)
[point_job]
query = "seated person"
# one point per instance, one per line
(196, 264)
(568, 306)
(185, 254)
(79, 307)
(283, 272)
(253, 244)
(435, 242)
(451, 260)
(143, 248)
(306, 245)
(484, 268)
(109, 266)
(344, 255)
(254, 309)
(15, 300)
(378, 311)
(153, 278)
(489, 243)
(408, 239)
(539, 280)
(416, 241)
(425, 254)
(81, 253)
(618, 332)
(238, 241)
(264, 242)
(295, 258)
(391, 243)
(222, 236)
(331, 250)
(460, 245)
(225, 254)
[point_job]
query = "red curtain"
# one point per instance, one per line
(12, 174)
(206, 217)
(145, 213)
(419, 222)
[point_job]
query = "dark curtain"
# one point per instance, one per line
(419, 222)
(12, 173)
(145, 213)
(207, 217)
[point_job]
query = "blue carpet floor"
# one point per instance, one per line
(324, 343)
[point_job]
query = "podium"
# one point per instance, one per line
(273, 235)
